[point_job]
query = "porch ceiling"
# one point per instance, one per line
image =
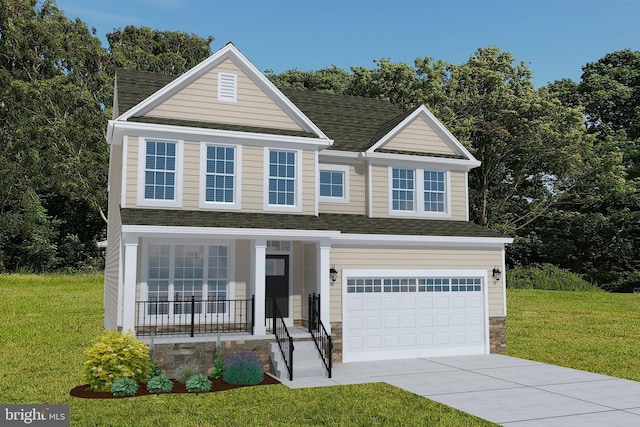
(346, 224)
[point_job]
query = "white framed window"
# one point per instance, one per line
(227, 87)
(160, 172)
(419, 192)
(333, 183)
(176, 273)
(220, 174)
(282, 183)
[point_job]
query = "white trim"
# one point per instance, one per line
(466, 195)
(237, 184)
(123, 184)
(418, 195)
(345, 169)
(229, 51)
(504, 283)
(426, 241)
(231, 233)
(369, 190)
(431, 120)
(341, 154)
(396, 353)
(177, 200)
(297, 203)
(427, 161)
(227, 87)
(316, 186)
(155, 130)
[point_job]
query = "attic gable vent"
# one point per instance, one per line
(227, 87)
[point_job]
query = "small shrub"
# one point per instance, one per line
(547, 277)
(155, 370)
(218, 367)
(125, 386)
(186, 371)
(244, 368)
(159, 384)
(116, 355)
(198, 383)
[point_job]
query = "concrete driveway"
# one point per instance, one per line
(502, 389)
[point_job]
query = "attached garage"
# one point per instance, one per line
(395, 314)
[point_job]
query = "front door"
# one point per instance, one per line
(277, 284)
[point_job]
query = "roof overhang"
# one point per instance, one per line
(384, 158)
(422, 241)
(116, 129)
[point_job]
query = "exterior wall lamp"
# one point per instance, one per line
(497, 274)
(333, 273)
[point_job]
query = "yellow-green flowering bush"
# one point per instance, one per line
(116, 355)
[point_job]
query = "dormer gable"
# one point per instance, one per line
(420, 133)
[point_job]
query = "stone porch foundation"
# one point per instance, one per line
(497, 335)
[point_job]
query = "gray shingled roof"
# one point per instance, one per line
(349, 224)
(354, 123)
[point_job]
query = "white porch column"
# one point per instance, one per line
(324, 282)
(259, 253)
(129, 277)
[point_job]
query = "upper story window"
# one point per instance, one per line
(159, 177)
(334, 183)
(220, 170)
(403, 189)
(434, 191)
(282, 183)
(418, 192)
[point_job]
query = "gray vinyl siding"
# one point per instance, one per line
(357, 194)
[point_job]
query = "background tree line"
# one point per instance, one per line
(560, 164)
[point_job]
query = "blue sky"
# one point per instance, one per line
(555, 38)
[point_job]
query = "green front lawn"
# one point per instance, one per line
(47, 322)
(591, 331)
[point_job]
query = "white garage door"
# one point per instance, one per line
(418, 316)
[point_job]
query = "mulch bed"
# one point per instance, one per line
(85, 392)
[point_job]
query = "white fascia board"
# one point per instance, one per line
(153, 130)
(245, 233)
(341, 154)
(453, 164)
(402, 240)
(432, 120)
(227, 52)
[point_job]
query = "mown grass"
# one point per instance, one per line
(591, 331)
(47, 323)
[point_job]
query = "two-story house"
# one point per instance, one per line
(227, 194)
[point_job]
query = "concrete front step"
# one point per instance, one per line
(306, 361)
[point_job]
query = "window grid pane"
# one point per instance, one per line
(160, 170)
(282, 177)
(402, 189)
(413, 284)
(434, 191)
(331, 184)
(220, 174)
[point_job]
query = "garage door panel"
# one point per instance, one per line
(414, 317)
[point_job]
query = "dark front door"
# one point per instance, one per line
(277, 283)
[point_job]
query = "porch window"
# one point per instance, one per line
(186, 271)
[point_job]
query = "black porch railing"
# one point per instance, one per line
(323, 340)
(284, 339)
(194, 316)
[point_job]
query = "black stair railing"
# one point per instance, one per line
(318, 332)
(284, 339)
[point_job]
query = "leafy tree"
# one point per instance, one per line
(168, 52)
(330, 80)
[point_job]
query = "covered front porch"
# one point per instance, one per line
(184, 282)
